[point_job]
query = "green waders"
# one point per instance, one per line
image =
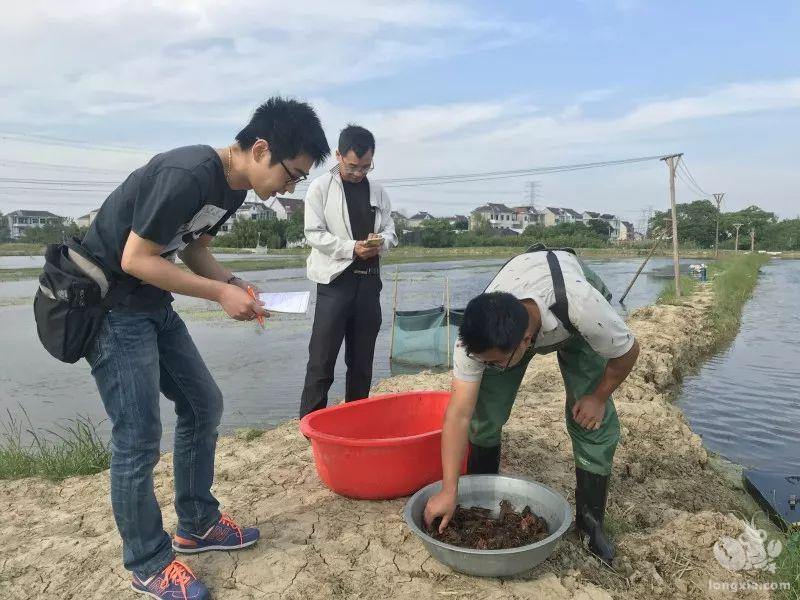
(582, 368)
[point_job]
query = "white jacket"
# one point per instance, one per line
(328, 230)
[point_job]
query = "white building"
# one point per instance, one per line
(248, 211)
(416, 220)
(499, 216)
(254, 211)
(525, 216)
(20, 221)
(87, 219)
(285, 207)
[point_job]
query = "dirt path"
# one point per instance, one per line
(667, 506)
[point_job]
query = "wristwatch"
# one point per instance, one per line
(232, 279)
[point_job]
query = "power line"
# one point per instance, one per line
(391, 182)
(55, 189)
(56, 141)
(66, 182)
(685, 168)
(491, 175)
(4, 162)
(692, 187)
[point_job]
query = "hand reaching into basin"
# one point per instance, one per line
(442, 505)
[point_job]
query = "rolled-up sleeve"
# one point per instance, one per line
(464, 367)
(597, 321)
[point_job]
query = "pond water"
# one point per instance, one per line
(745, 402)
(259, 371)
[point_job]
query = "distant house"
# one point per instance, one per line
(417, 219)
(508, 231)
(87, 219)
(458, 221)
(588, 215)
(551, 215)
(499, 216)
(615, 226)
(626, 232)
(248, 211)
(525, 216)
(20, 221)
(571, 216)
(255, 211)
(285, 207)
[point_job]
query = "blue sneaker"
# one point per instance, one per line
(175, 582)
(224, 535)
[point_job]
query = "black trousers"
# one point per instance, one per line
(349, 309)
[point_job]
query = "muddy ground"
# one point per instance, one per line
(667, 506)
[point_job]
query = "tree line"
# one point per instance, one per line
(697, 226)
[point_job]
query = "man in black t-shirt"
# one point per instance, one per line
(173, 206)
(343, 211)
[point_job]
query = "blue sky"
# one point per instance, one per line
(446, 87)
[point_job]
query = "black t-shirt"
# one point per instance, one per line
(172, 200)
(362, 217)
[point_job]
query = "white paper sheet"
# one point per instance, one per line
(286, 302)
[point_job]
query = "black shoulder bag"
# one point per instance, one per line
(74, 294)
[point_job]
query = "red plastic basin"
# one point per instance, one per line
(382, 447)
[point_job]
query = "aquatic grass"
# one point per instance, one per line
(75, 448)
(667, 295)
(248, 435)
(788, 568)
(734, 279)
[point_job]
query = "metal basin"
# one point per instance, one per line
(486, 491)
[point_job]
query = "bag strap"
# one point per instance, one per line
(561, 306)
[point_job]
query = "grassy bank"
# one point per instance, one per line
(74, 449)
(21, 249)
(667, 296)
(734, 279)
(296, 257)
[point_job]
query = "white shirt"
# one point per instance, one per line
(328, 230)
(527, 277)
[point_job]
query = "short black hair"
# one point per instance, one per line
(291, 127)
(493, 320)
(357, 139)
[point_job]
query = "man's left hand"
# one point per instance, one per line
(589, 411)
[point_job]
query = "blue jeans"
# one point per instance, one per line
(135, 355)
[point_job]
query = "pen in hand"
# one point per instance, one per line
(260, 318)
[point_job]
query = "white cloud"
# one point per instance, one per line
(200, 66)
(89, 59)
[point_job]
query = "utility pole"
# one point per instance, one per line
(672, 162)
(752, 240)
(737, 225)
(718, 198)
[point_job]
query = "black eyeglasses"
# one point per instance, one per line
(493, 365)
(293, 178)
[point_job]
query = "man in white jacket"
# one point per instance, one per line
(348, 224)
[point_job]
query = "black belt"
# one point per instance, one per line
(368, 271)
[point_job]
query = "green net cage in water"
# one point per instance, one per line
(424, 339)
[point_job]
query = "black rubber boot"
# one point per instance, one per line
(590, 508)
(483, 460)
